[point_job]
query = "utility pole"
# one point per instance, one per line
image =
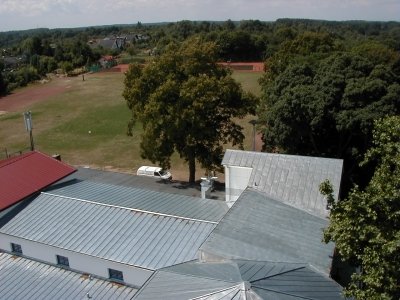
(28, 126)
(254, 122)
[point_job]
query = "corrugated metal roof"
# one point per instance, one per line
(142, 182)
(152, 201)
(259, 228)
(166, 285)
(26, 174)
(291, 179)
(132, 237)
(239, 279)
(22, 278)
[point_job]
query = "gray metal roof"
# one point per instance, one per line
(259, 228)
(142, 182)
(22, 278)
(152, 201)
(123, 235)
(239, 279)
(291, 179)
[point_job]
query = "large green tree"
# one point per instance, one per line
(366, 226)
(186, 103)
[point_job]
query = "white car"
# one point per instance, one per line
(155, 172)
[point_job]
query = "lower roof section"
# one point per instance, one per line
(259, 228)
(123, 235)
(239, 279)
(23, 278)
(143, 199)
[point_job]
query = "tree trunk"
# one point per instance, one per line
(192, 168)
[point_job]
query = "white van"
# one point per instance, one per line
(154, 172)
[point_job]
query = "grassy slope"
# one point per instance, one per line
(62, 124)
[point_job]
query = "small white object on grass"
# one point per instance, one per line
(89, 131)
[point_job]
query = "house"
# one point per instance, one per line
(137, 37)
(110, 43)
(262, 242)
(107, 61)
(13, 62)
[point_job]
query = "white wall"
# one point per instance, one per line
(236, 181)
(77, 261)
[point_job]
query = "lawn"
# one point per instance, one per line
(87, 125)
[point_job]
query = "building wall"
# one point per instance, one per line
(77, 261)
(236, 181)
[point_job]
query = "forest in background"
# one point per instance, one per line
(29, 55)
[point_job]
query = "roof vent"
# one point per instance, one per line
(207, 185)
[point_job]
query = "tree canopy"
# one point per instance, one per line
(186, 103)
(366, 226)
(324, 103)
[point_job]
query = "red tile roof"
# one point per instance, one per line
(23, 175)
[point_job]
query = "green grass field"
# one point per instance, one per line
(87, 125)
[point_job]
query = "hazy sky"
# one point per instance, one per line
(26, 14)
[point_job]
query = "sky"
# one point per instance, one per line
(28, 14)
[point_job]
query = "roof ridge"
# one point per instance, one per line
(278, 274)
(165, 269)
(281, 154)
(219, 291)
(284, 293)
(131, 209)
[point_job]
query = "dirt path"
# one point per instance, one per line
(32, 94)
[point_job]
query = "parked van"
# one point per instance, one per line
(154, 172)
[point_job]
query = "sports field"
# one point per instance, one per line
(85, 122)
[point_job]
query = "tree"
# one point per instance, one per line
(32, 46)
(366, 226)
(186, 102)
(3, 84)
(326, 107)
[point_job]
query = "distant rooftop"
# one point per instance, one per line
(23, 278)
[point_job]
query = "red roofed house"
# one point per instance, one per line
(27, 174)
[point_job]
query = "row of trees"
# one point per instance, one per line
(37, 57)
(247, 40)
